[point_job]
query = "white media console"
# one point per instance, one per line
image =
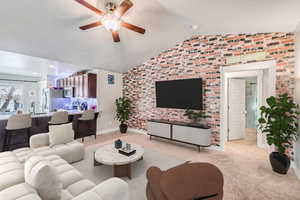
(189, 133)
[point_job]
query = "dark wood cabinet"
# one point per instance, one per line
(85, 85)
(92, 86)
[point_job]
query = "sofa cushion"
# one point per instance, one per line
(71, 152)
(10, 166)
(73, 182)
(39, 140)
(11, 178)
(19, 192)
(40, 174)
(80, 187)
(11, 170)
(65, 195)
(23, 154)
(44, 151)
(88, 196)
(70, 177)
(8, 158)
(61, 134)
(107, 189)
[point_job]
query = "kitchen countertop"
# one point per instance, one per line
(71, 112)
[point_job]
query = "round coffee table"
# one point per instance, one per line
(109, 155)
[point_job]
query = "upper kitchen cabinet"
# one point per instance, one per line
(85, 85)
(91, 86)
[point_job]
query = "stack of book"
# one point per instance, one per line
(126, 151)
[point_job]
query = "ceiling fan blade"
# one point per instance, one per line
(89, 6)
(92, 25)
(116, 36)
(124, 6)
(133, 27)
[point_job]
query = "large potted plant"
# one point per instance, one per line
(122, 113)
(279, 122)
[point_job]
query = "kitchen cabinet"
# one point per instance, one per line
(85, 85)
(91, 86)
(81, 86)
(60, 83)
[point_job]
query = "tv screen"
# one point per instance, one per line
(180, 94)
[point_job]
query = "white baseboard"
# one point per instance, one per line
(296, 169)
(137, 131)
(106, 131)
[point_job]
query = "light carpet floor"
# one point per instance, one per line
(247, 172)
(137, 184)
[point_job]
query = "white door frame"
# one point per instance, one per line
(244, 70)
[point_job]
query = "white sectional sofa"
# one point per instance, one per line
(74, 186)
(71, 152)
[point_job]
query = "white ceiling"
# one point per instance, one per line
(49, 28)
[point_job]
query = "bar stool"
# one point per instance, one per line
(61, 117)
(17, 124)
(87, 115)
(85, 126)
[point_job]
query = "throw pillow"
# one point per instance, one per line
(40, 174)
(61, 134)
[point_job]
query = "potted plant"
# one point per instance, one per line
(123, 111)
(195, 116)
(279, 122)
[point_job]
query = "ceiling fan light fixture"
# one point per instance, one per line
(111, 22)
(112, 18)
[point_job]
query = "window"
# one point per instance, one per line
(10, 98)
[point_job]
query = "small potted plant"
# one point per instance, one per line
(279, 122)
(195, 116)
(122, 113)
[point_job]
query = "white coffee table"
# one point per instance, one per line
(109, 155)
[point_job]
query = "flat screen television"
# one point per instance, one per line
(180, 94)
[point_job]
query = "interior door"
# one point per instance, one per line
(236, 109)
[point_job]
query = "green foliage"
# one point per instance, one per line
(123, 105)
(194, 115)
(279, 122)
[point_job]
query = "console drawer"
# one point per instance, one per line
(192, 135)
(159, 129)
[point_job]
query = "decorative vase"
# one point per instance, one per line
(118, 144)
(123, 128)
(280, 162)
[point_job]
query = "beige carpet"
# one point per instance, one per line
(137, 184)
(246, 168)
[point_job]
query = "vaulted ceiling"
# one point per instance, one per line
(49, 28)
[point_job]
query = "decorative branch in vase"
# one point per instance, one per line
(195, 116)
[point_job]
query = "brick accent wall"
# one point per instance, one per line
(202, 56)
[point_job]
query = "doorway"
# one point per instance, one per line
(242, 110)
(262, 78)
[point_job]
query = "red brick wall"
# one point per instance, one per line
(202, 56)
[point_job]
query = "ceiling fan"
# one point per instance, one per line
(112, 19)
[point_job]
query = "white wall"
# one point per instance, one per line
(297, 94)
(106, 96)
